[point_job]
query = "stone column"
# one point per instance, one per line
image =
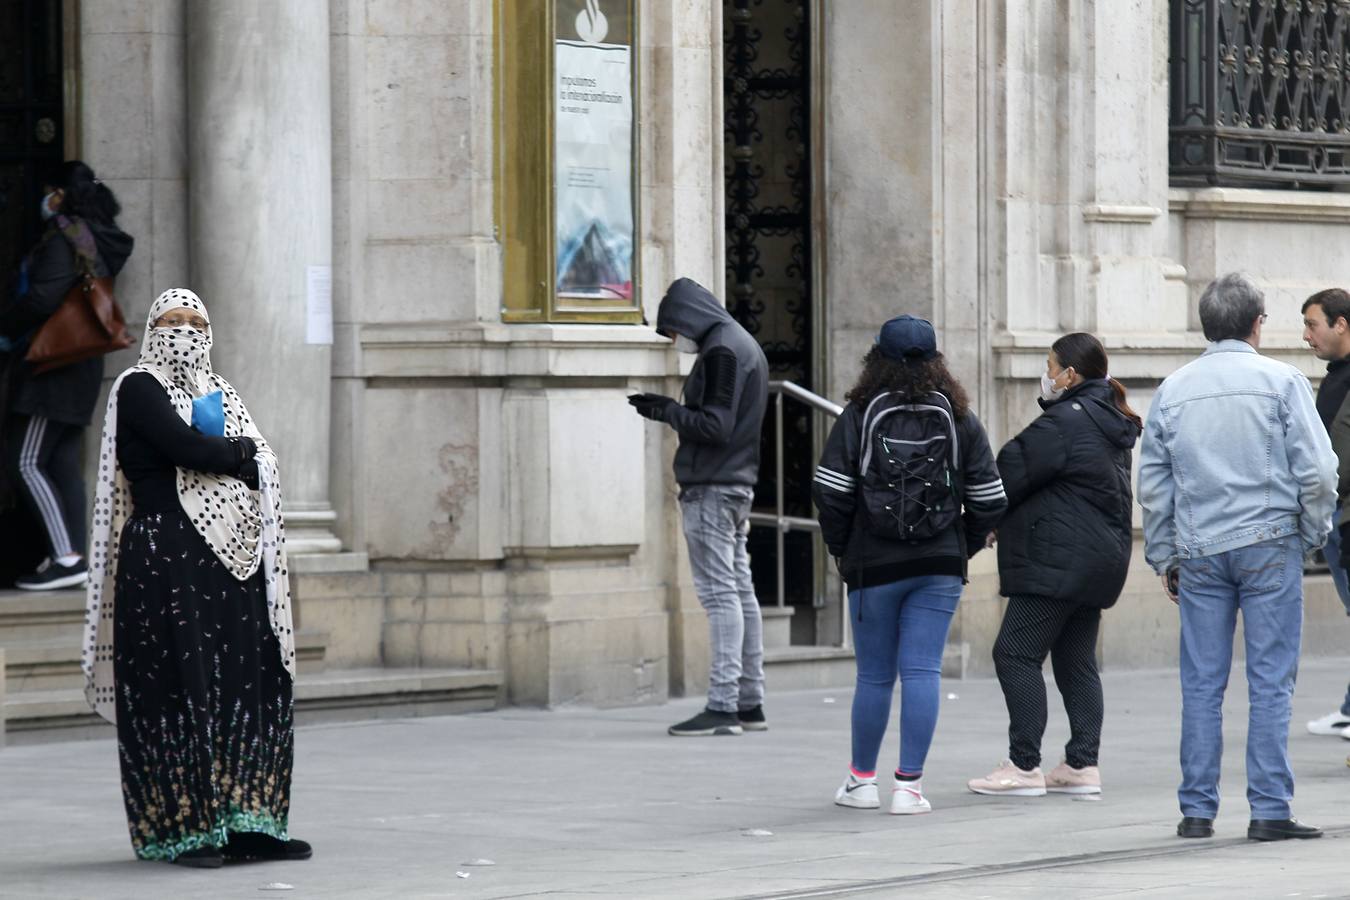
(260, 156)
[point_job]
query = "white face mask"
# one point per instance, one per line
(180, 344)
(45, 209)
(1050, 393)
(685, 345)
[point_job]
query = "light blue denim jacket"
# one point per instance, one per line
(1233, 454)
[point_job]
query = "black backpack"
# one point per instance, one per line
(909, 467)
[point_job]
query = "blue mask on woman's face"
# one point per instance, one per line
(46, 209)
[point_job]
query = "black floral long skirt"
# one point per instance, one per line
(204, 705)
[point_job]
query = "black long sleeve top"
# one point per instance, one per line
(153, 441)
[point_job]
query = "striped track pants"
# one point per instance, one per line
(43, 458)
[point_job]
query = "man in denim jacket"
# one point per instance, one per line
(1237, 480)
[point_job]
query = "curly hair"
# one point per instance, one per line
(911, 379)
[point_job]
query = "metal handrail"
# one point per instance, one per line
(781, 523)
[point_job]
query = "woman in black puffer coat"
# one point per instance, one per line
(1063, 553)
(47, 413)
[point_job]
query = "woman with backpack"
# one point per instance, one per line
(1063, 552)
(907, 491)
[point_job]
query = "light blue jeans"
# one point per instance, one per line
(903, 629)
(716, 519)
(1265, 582)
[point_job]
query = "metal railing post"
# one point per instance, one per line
(778, 496)
(778, 520)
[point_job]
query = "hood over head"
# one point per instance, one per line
(689, 309)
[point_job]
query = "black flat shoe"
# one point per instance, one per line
(1281, 830)
(201, 858)
(1195, 827)
(248, 845)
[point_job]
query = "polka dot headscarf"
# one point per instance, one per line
(244, 529)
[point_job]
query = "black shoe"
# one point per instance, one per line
(707, 723)
(752, 719)
(201, 858)
(1280, 830)
(251, 845)
(52, 576)
(1195, 827)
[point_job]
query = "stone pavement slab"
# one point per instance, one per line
(601, 803)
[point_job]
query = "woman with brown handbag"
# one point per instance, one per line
(49, 412)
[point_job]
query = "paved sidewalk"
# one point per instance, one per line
(601, 803)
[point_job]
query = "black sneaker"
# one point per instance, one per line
(707, 723)
(1280, 830)
(752, 719)
(52, 576)
(201, 858)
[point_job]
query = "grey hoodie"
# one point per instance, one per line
(725, 395)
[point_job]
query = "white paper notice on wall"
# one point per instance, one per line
(319, 305)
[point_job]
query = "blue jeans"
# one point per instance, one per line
(1265, 581)
(716, 519)
(903, 630)
(1332, 552)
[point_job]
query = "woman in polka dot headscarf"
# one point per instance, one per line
(188, 641)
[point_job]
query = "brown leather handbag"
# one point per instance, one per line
(88, 323)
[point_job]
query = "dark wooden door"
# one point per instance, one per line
(31, 127)
(32, 137)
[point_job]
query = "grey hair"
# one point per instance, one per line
(1230, 306)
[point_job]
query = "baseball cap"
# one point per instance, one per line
(907, 337)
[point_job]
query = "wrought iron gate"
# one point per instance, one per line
(767, 101)
(1260, 92)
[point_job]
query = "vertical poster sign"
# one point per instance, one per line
(319, 305)
(593, 149)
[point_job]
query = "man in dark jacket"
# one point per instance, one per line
(716, 466)
(48, 413)
(1326, 330)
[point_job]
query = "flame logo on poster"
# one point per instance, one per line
(592, 26)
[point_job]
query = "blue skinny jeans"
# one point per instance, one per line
(902, 632)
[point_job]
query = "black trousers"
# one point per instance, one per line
(43, 459)
(1032, 628)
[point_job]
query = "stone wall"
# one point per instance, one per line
(499, 467)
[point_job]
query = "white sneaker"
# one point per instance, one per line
(907, 799)
(859, 793)
(1332, 723)
(1345, 732)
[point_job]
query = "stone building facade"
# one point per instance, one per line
(470, 491)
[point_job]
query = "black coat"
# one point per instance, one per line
(1067, 534)
(67, 394)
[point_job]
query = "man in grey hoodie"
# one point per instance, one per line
(716, 466)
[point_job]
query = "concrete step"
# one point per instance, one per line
(804, 668)
(342, 695)
(40, 615)
(48, 664)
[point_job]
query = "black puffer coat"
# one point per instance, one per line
(1067, 534)
(67, 394)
